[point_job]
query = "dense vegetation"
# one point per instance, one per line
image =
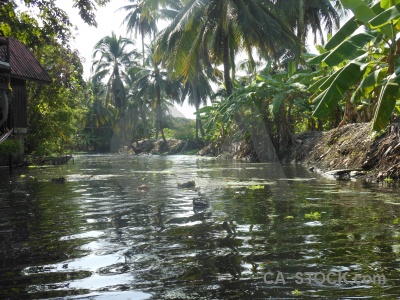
(249, 58)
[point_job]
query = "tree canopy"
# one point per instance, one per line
(194, 58)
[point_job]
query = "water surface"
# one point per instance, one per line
(97, 237)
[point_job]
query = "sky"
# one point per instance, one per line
(109, 19)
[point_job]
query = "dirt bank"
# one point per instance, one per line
(173, 147)
(350, 147)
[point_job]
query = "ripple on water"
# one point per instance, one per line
(99, 245)
(92, 262)
(83, 235)
(100, 281)
(98, 237)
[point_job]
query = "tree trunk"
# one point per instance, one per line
(158, 99)
(197, 128)
(227, 65)
(157, 123)
(196, 105)
(144, 118)
(143, 50)
(160, 127)
(300, 23)
(201, 129)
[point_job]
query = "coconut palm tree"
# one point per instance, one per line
(143, 15)
(112, 56)
(319, 16)
(155, 84)
(99, 114)
(197, 90)
(218, 29)
(140, 19)
(137, 106)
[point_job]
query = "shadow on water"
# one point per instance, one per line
(250, 235)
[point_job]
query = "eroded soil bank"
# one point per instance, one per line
(351, 150)
(350, 147)
(174, 146)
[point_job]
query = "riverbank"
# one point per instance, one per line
(351, 147)
(350, 150)
(174, 146)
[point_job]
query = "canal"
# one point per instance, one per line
(245, 231)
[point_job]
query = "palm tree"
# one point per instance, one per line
(143, 15)
(99, 114)
(112, 56)
(219, 29)
(140, 19)
(154, 84)
(303, 15)
(197, 90)
(137, 106)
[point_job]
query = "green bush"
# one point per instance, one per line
(169, 133)
(10, 146)
(185, 129)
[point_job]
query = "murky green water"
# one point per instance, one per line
(97, 237)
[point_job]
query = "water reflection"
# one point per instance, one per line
(97, 236)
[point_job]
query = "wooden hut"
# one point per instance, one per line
(17, 66)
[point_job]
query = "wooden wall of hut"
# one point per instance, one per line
(18, 117)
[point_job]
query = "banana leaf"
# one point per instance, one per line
(343, 33)
(349, 49)
(386, 105)
(345, 78)
(323, 83)
(368, 84)
(317, 59)
(385, 17)
(360, 9)
(385, 4)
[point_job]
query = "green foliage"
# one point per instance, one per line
(181, 129)
(313, 215)
(356, 68)
(10, 146)
(297, 293)
(55, 21)
(55, 111)
(274, 101)
(388, 180)
(255, 187)
(93, 140)
(364, 67)
(184, 128)
(169, 133)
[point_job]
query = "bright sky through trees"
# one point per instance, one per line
(109, 19)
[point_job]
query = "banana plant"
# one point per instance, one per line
(364, 59)
(276, 97)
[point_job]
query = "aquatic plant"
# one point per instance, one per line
(313, 215)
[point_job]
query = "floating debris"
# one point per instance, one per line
(58, 180)
(199, 202)
(187, 185)
(143, 188)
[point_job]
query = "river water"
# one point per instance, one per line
(261, 231)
